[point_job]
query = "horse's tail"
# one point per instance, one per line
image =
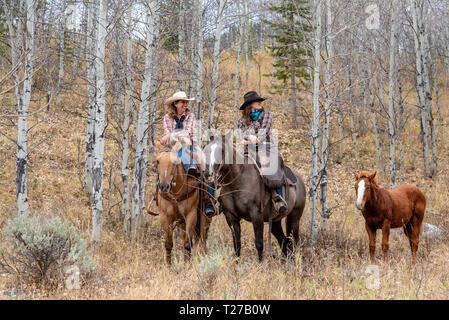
(420, 204)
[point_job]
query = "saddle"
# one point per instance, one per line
(283, 177)
(291, 178)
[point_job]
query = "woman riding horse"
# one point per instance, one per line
(255, 128)
(179, 124)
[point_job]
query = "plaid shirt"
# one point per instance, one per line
(261, 128)
(188, 126)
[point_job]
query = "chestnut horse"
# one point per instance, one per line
(178, 199)
(402, 206)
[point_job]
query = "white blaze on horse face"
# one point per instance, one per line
(212, 158)
(360, 194)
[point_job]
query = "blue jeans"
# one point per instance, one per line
(210, 190)
(279, 191)
(186, 159)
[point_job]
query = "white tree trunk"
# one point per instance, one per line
(199, 68)
(98, 154)
(140, 160)
(181, 46)
(237, 69)
(400, 122)
(351, 107)
(153, 107)
(376, 134)
(293, 78)
(425, 49)
(61, 52)
(91, 43)
(446, 31)
(315, 126)
(437, 101)
(15, 44)
(245, 36)
(420, 85)
(126, 124)
(23, 107)
(340, 125)
(392, 77)
(325, 212)
(363, 80)
(216, 63)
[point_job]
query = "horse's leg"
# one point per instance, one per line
(204, 230)
(412, 230)
(385, 238)
(234, 225)
(277, 231)
(292, 226)
(415, 225)
(372, 242)
(190, 220)
(166, 226)
(257, 220)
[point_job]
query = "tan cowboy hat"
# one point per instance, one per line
(180, 95)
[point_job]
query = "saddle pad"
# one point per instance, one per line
(291, 178)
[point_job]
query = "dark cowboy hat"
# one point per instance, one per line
(249, 97)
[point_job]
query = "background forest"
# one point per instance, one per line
(353, 85)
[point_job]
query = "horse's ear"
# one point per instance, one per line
(371, 177)
(356, 175)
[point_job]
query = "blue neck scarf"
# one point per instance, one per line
(179, 122)
(255, 115)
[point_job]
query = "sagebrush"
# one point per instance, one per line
(42, 250)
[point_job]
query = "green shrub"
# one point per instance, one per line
(42, 249)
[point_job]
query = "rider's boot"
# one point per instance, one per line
(279, 203)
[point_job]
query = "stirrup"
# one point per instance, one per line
(209, 210)
(280, 205)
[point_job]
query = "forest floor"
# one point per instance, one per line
(137, 270)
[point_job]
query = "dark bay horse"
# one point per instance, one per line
(241, 192)
(403, 206)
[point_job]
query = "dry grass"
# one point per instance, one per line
(136, 270)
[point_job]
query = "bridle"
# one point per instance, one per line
(172, 198)
(172, 182)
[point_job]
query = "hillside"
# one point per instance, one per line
(137, 270)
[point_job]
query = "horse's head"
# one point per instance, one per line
(365, 182)
(219, 153)
(167, 171)
(213, 152)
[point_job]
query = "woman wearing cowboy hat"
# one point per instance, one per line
(255, 128)
(178, 118)
(179, 124)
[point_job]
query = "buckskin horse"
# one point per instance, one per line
(242, 191)
(402, 206)
(178, 200)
